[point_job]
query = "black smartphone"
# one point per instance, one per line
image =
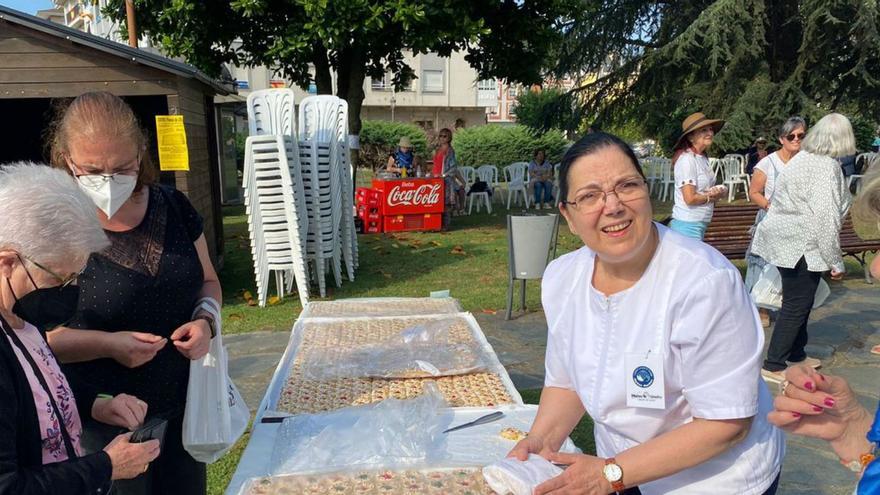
(153, 429)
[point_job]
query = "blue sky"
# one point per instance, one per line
(28, 6)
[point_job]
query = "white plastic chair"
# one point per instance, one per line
(271, 112)
(489, 175)
(469, 174)
(667, 178)
(734, 175)
(482, 199)
(516, 174)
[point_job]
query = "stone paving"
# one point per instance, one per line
(841, 334)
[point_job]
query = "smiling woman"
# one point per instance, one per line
(645, 306)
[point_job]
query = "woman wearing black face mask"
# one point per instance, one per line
(47, 231)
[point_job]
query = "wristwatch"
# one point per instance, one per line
(211, 324)
(614, 474)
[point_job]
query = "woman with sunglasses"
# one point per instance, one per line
(801, 235)
(45, 217)
(763, 185)
(695, 191)
(148, 304)
(653, 335)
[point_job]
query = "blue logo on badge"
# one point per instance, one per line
(643, 376)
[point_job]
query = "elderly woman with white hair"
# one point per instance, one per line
(801, 235)
(48, 230)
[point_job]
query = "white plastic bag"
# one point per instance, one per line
(512, 476)
(215, 416)
(767, 291)
(822, 293)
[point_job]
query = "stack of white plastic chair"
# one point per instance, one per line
(274, 196)
(516, 176)
(324, 158)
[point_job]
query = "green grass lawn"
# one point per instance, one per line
(470, 260)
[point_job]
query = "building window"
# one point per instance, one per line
(487, 85)
(432, 81)
(511, 92)
(382, 84)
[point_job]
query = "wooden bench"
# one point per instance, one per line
(729, 234)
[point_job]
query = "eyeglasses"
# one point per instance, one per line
(792, 136)
(63, 281)
(97, 180)
(626, 190)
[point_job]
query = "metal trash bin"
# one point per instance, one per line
(531, 241)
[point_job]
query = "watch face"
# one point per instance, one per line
(612, 472)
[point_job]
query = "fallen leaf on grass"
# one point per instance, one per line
(273, 300)
(248, 298)
(435, 243)
(395, 245)
(235, 317)
(458, 250)
(490, 311)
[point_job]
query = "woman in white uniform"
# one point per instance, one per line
(653, 335)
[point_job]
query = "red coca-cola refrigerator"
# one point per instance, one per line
(411, 203)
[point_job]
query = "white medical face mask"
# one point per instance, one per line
(108, 192)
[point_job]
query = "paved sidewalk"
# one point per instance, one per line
(841, 334)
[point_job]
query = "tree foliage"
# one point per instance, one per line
(503, 145)
(312, 39)
(752, 62)
(546, 109)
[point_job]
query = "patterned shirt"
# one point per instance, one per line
(50, 431)
(805, 217)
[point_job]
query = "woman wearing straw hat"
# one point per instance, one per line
(695, 190)
(401, 161)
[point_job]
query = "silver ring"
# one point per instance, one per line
(782, 385)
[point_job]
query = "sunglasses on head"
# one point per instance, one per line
(799, 136)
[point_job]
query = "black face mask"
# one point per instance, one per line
(46, 308)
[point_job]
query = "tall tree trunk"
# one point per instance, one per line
(323, 76)
(350, 74)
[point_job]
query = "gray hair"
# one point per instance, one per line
(44, 215)
(790, 125)
(831, 136)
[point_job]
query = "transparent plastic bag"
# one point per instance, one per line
(420, 351)
(391, 433)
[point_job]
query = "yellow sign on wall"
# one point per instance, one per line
(171, 135)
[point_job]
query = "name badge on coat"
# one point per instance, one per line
(644, 380)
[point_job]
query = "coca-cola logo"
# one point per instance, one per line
(424, 195)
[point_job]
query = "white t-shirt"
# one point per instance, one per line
(690, 305)
(692, 169)
(772, 166)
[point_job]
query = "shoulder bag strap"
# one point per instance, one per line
(65, 435)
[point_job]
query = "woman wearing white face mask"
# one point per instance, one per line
(142, 309)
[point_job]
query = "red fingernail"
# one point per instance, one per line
(829, 402)
(797, 415)
(808, 385)
(817, 408)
